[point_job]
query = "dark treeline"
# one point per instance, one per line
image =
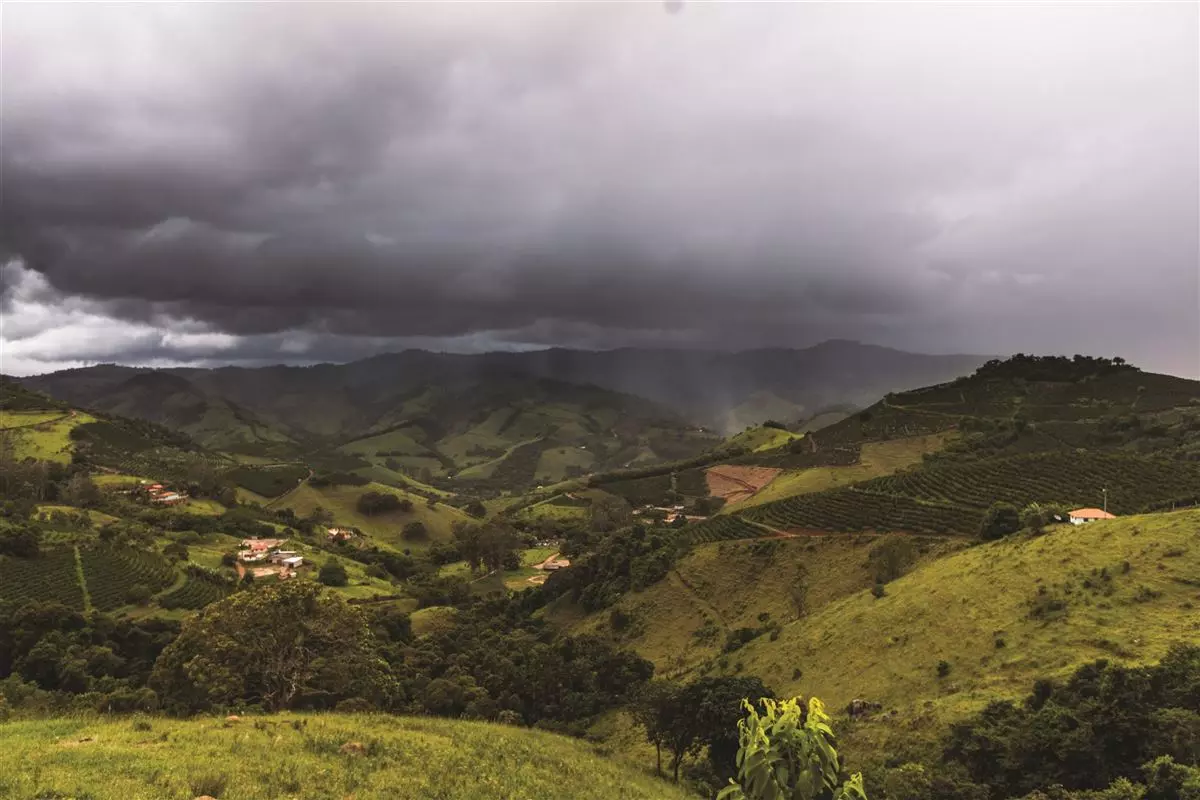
(295, 646)
(1109, 732)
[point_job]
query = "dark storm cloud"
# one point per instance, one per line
(254, 182)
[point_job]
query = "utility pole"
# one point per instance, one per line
(1105, 491)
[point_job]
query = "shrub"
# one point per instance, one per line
(788, 751)
(1001, 520)
(943, 668)
(332, 573)
(414, 531)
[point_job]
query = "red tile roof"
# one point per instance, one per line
(1092, 513)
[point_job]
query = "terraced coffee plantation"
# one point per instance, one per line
(722, 528)
(198, 590)
(952, 497)
(1072, 478)
(111, 573)
(51, 577)
(857, 510)
(108, 575)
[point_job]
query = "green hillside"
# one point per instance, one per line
(1000, 615)
(306, 756)
(342, 501)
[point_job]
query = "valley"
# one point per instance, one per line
(533, 553)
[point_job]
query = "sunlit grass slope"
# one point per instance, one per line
(47, 441)
(306, 756)
(1000, 615)
(682, 621)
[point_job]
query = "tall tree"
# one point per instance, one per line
(286, 646)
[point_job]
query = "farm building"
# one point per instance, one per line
(261, 545)
(555, 563)
(283, 556)
(1081, 515)
(340, 534)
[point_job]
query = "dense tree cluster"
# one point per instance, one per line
(489, 546)
(1052, 368)
(54, 658)
(372, 503)
(1104, 723)
(631, 559)
(1109, 732)
(496, 659)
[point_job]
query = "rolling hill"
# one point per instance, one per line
(328, 400)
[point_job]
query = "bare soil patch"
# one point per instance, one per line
(737, 483)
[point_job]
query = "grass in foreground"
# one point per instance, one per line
(326, 756)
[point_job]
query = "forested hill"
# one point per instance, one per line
(709, 387)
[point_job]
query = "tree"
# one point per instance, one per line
(476, 509)
(486, 545)
(1001, 520)
(654, 707)
(332, 573)
(176, 550)
(21, 540)
(81, 491)
(371, 503)
(798, 591)
(788, 753)
(139, 594)
(892, 557)
(320, 516)
(716, 706)
(609, 513)
(291, 645)
(414, 531)
(1037, 516)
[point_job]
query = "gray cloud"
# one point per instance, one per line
(326, 181)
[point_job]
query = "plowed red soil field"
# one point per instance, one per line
(737, 483)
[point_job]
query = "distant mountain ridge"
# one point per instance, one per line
(715, 388)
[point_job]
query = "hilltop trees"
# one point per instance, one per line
(285, 646)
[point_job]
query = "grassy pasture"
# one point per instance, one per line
(25, 419)
(342, 500)
(301, 756)
(48, 441)
(553, 463)
(117, 480)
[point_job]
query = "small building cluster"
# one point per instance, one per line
(340, 534)
(274, 559)
(161, 495)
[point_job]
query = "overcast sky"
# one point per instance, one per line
(254, 183)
